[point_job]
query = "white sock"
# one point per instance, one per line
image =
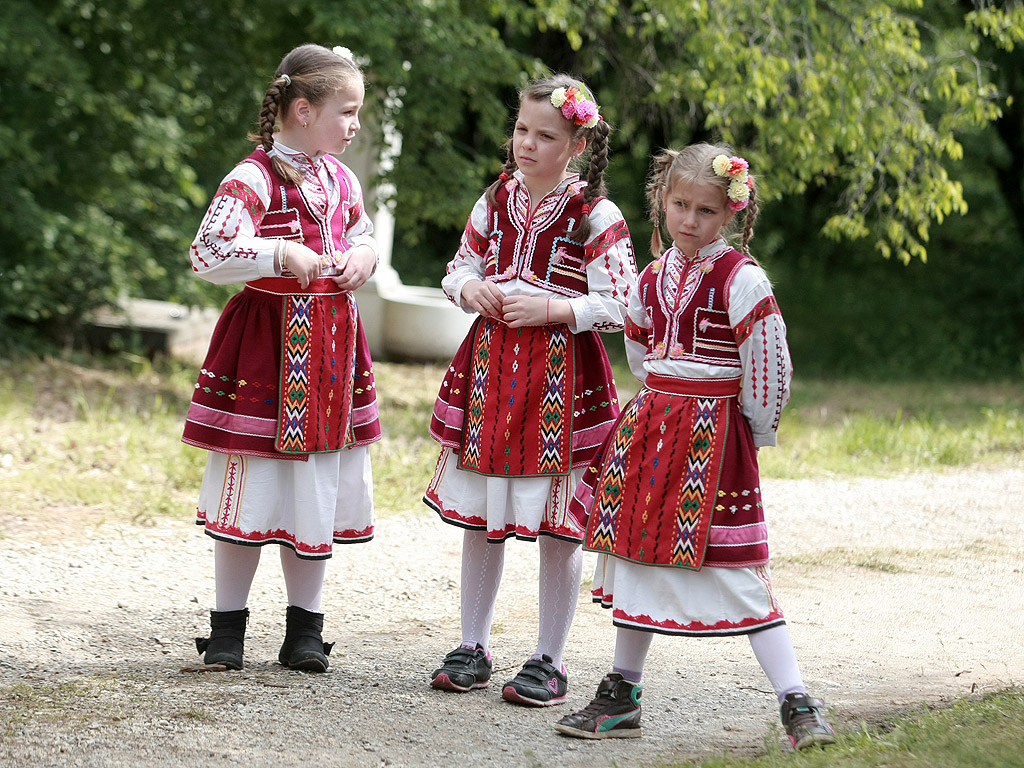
(303, 580)
(774, 651)
(631, 647)
(234, 567)
(482, 565)
(561, 572)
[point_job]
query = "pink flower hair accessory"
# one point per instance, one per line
(741, 183)
(576, 107)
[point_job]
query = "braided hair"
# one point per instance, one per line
(595, 137)
(309, 71)
(693, 165)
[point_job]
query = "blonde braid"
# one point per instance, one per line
(656, 185)
(750, 214)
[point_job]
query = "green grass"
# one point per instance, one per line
(980, 732)
(103, 436)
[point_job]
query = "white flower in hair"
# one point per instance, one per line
(344, 52)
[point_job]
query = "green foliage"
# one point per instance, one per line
(118, 119)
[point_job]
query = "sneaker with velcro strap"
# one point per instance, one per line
(804, 721)
(538, 684)
(465, 668)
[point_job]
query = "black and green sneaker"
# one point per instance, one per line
(613, 714)
(804, 722)
(463, 669)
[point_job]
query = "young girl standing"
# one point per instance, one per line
(674, 497)
(285, 400)
(545, 260)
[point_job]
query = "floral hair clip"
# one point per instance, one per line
(344, 52)
(740, 181)
(576, 107)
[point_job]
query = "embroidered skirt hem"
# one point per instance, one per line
(678, 601)
(304, 505)
(523, 507)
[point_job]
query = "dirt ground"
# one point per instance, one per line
(898, 592)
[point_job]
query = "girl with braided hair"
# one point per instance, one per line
(674, 497)
(285, 401)
(545, 261)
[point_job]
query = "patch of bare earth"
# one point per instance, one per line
(898, 591)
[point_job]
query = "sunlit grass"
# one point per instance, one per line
(857, 429)
(982, 732)
(105, 435)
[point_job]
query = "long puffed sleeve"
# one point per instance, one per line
(226, 248)
(611, 271)
(469, 261)
(637, 334)
(764, 354)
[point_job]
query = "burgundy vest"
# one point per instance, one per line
(536, 248)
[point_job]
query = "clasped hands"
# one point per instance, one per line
(354, 265)
(486, 299)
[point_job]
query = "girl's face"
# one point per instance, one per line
(695, 214)
(333, 124)
(542, 145)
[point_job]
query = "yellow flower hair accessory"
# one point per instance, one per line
(741, 183)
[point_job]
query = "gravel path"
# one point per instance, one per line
(899, 591)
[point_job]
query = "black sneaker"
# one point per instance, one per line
(613, 714)
(538, 684)
(463, 669)
(804, 722)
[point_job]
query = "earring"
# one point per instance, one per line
(305, 124)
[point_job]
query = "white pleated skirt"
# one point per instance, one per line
(524, 507)
(305, 505)
(678, 601)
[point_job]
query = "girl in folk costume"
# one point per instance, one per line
(673, 497)
(546, 261)
(285, 401)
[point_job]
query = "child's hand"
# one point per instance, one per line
(302, 262)
(355, 265)
(484, 298)
(519, 311)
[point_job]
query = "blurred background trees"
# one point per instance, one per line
(888, 139)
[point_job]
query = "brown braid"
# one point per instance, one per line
(314, 73)
(506, 170)
(595, 177)
(596, 139)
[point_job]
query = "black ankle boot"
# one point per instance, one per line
(304, 647)
(227, 638)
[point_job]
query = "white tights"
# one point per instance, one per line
(561, 572)
(235, 566)
(773, 649)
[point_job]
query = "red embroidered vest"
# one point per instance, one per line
(688, 309)
(291, 216)
(536, 248)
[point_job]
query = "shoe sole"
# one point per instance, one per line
(445, 683)
(511, 694)
(307, 665)
(814, 740)
(614, 733)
